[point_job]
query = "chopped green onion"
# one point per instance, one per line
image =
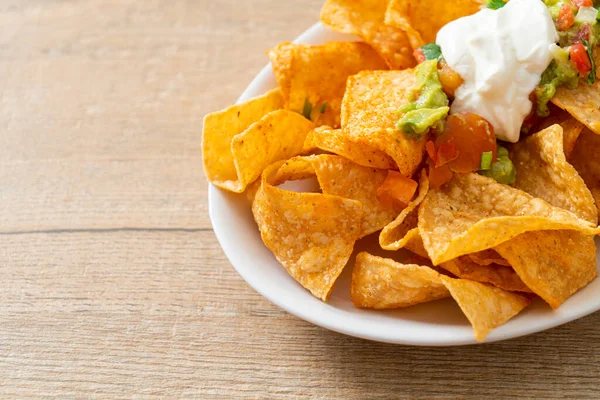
(486, 160)
(502, 170)
(307, 110)
(432, 51)
(495, 4)
(323, 108)
(592, 75)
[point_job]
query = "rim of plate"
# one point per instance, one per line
(358, 323)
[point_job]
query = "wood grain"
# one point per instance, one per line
(112, 283)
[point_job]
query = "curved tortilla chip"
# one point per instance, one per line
(370, 112)
(488, 257)
(395, 235)
(221, 127)
(311, 234)
(583, 103)
(497, 275)
(365, 18)
(486, 307)
(586, 161)
(543, 171)
(340, 177)
(318, 74)
(422, 20)
(571, 127)
(473, 213)
(382, 283)
(338, 142)
(554, 265)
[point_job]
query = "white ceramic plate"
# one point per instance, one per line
(439, 323)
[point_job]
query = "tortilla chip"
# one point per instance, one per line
(486, 307)
(370, 112)
(422, 20)
(382, 283)
(543, 171)
(497, 275)
(586, 161)
(366, 19)
(554, 265)
(396, 235)
(488, 257)
(219, 130)
(583, 103)
(311, 234)
(318, 74)
(338, 142)
(340, 177)
(571, 127)
(473, 213)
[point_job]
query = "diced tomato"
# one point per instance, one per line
(583, 3)
(585, 32)
(438, 176)
(580, 58)
(566, 18)
(397, 190)
(472, 136)
(419, 56)
(431, 151)
(449, 79)
(446, 153)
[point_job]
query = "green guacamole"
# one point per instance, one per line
(502, 170)
(428, 105)
(557, 74)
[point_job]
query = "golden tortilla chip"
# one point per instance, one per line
(571, 127)
(554, 265)
(585, 158)
(473, 213)
(366, 19)
(219, 130)
(338, 142)
(316, 75)
(370, 112)
(311, 234)
(543, 172)
(422, 20)
(382, 283)
(340, 177)
(488, 257)
(497, 275)
(396, 236)
(486, 307)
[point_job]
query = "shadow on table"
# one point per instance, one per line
(560, 363)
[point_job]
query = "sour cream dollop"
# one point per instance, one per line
(500, 54)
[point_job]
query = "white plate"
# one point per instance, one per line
(439, 323)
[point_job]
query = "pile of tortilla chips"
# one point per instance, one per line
(492, 248)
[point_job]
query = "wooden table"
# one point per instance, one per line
(112, 284)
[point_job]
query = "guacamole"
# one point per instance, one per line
(502, 170)
(428, 105)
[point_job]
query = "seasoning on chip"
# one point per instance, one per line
(365, 18)
(370, 113)
(487, 257)
(354, 149)
(219, 130)
(497, 275)
(486, 307)
(382, 283)
(587, 163)
(571, 127)
(313, 78)
(422, 20)
(340, 177)
(543, 172)
(311, 234)
(473, 213)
